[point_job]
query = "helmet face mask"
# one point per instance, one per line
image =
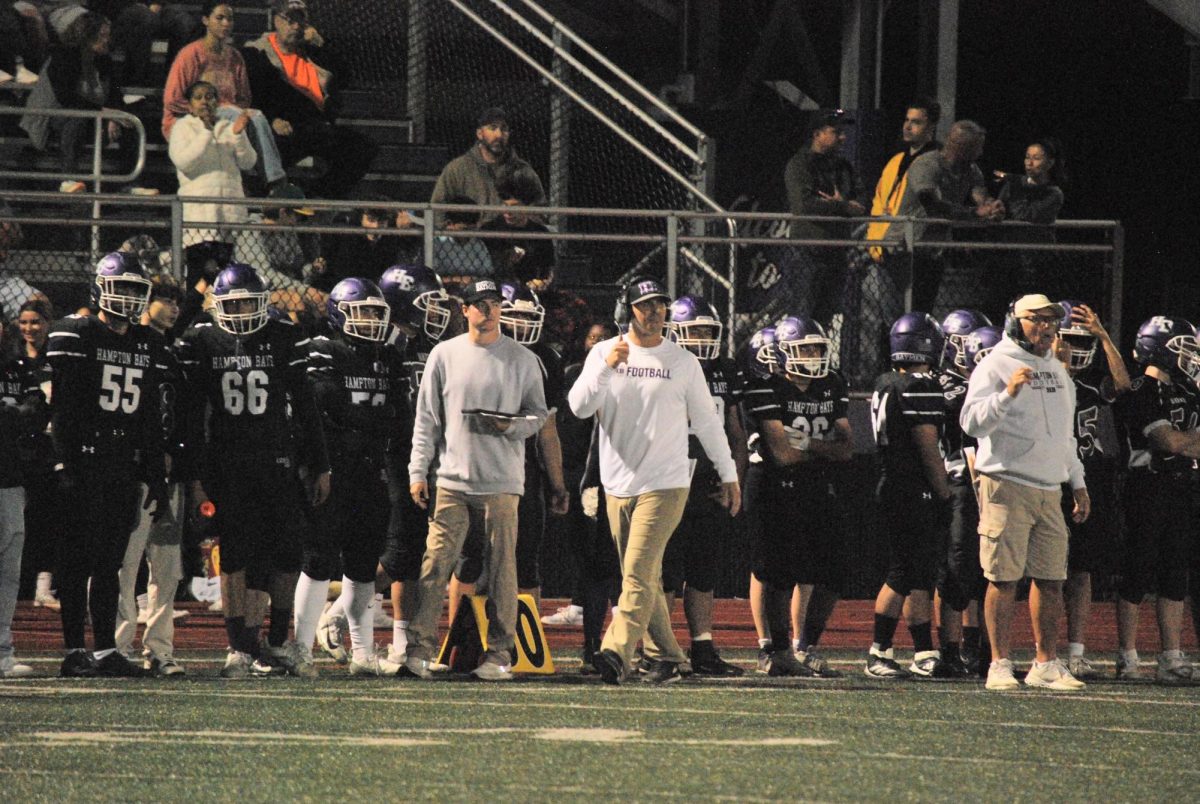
(794, 337)
(1171, 345)
(239, 300)
(417, 299)
(979, 344)
(521, 313)
(957, 325)
(356, 306)
(759, 356)
(121, 288)
(1080, 343)
(694, 325)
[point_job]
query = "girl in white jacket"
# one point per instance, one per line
(209, 155)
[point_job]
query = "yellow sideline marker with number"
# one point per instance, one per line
(463, 648)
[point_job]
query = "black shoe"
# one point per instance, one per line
(77, 664)
(115, 665)
(953, 665)
(644, 666)
(587, 660)
(706, 661)
(780, 663)
(882, 664)
(663, 672)
(612, 670)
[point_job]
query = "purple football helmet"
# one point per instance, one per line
(956, 326)
(917, 338)
(694, 325)
(239, 300)
(759, 356)
(979, 344)
(356, 307)
(417, 299)
(521, 313)
(793, 335)
(1168, 342)
(121, 287)
(1082, 344)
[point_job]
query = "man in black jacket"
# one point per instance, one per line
(297, 95)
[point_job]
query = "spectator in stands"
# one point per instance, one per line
(136, 25)
(367, 254)
(79, 75)
(209, 155)
(1034, 197)
(283, 256)
(17, 49)
(475, 174)
(43, 515)
(938, 184)
(216, 60)
(298, 96)
(525, 259)
(14, 291)
(820, 181)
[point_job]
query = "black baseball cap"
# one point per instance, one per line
(481, 289)
(644, 288)
(492, 114)
(830, 117)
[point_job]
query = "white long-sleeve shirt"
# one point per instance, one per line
(643, 408)
(1029, 438)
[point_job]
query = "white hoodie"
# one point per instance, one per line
(1029, 438)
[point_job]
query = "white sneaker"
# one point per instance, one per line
(1053, 675)
(5, 77)
(375, 666)
(1000, 676)
(1128, 671)
(1080, 667)
(493, 671)
(416, 668)
(396, 656)
(299, 659)
(11, 668)
(237, 665)
(567, 615)
(47, 600)
(216, 605)
(329, 636)
(1173, 670)
(26, 75)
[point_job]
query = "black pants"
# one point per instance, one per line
(351, 525)
(100, 511)
(347, 154)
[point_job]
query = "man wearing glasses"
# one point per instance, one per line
(1020, 405)
(480, 398)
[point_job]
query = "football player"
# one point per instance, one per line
(358, 380)
(1091, 546)
(907, 414)
(804, 430)
(244, 370)
(960, 576)
(1161, 420)
(694, 554)
(107, 431)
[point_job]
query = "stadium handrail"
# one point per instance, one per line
(97, 175)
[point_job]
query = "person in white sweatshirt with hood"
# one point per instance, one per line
(1019, 405)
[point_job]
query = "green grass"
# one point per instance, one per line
(569, 738)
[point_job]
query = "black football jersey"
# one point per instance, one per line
(361, 391)
(247, 383)
(900, 402)
(414, 353)
(23, 422)
(725, 384)
(1090, 397)
(811, 411)
(954, 440)
(1147, 405)
(553, 387)
(106, 391)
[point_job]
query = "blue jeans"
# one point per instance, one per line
(262, 137)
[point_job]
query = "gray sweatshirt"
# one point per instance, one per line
(1029, 438)
(461, 376)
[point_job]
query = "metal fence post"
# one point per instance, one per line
(177, 260)
(1116, 283)
(97, 168)
(672, 253)
(430, 259)
(560, 137)
(416, 68)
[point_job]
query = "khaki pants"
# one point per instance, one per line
(160, 542)
(447, 532)
(641, 527)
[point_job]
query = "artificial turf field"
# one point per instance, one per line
(569, 737)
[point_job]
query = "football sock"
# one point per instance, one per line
(885, 629)
(763, 644)
(779, 639)
(705, 637)
(1074, 648)
(400, 636)
(310, 600)
(235, 631)
(251, 640)
(970, 637)
(1130, 658)
(359, 617)
(811, 634)
(43, 584)
(796, 643)
(277, 632)
(922, 637)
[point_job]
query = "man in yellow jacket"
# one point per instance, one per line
(920, 126)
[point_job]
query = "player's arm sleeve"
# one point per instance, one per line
(428, 420)
(304, 408)
(68, 402)
(706, 424)
(590, 388)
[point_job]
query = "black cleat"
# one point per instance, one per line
(883, 665)
(663, 672)
(77, 664)
(706, 661)
(115, 665)
(953, 665)
(612, 669)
